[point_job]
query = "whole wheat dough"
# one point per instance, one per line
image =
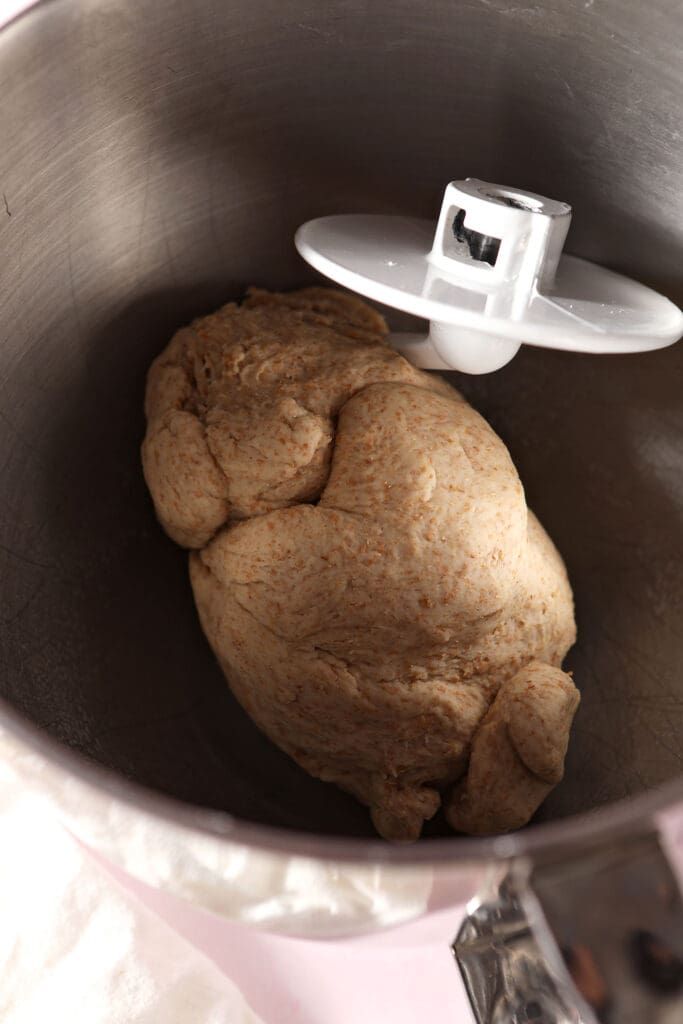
(381, 600)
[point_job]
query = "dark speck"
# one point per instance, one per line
(659, 966)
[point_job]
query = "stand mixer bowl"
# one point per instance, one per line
(157, 159)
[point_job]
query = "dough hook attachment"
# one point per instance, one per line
(491, 278)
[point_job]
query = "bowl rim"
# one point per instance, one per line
(567, 836)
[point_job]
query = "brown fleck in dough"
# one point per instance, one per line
(367, 634)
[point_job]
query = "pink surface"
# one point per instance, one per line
(404, 975)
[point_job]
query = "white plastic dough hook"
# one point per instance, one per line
(492, 277)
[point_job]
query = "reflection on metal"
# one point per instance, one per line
(597, 940)
(506, 972)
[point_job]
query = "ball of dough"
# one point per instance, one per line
(365, 567)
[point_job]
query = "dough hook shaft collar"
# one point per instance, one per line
(491, 277)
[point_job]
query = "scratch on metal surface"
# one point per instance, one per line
(515, 12)
(674, 751)
(7, 209)
(23, 608)
(72, 285)
(612, 764)
(24, 558)
(75, 304)
(145, 201)
(635, 657)
(19, 437)
(170, 259)
(652, 703)
(568, 89)
(315, 30)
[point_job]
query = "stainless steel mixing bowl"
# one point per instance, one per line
(155, 159)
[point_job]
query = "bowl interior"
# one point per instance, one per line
(156, 160)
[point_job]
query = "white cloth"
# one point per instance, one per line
(83, 942)
(76, 947)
